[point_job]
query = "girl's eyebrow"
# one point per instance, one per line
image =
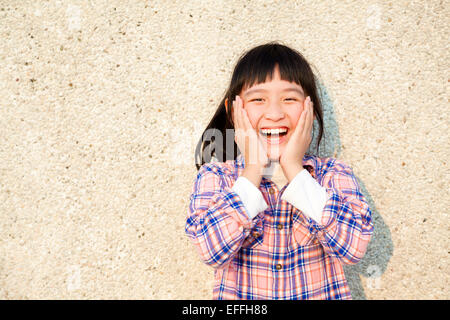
(250, 91)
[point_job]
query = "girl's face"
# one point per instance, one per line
(275, 104)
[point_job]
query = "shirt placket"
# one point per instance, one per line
(279, 245)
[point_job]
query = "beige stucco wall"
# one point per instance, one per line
(102, 102)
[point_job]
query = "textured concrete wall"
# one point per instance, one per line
(102, 102)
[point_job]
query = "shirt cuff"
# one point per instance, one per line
(307, 195)
(250, 195)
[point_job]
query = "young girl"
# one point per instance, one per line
(273, 221)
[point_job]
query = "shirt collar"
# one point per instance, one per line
(309, 163)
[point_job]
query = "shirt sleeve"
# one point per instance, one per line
(250, 195)
(307, 195)
(345, 227)
(218, 222)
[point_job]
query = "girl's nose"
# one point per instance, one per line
(274, 112)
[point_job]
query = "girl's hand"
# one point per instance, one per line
(291, 160)
(247, 139)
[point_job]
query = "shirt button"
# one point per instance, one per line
(271, 191)
(279, 226)
(279, 266)
(256, 234)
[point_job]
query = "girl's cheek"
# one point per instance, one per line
(295, 115)
(253, 116)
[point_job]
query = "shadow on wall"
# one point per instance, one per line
(380, 248)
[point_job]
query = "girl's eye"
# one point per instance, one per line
(261, 99)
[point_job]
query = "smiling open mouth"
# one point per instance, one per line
(274, 136)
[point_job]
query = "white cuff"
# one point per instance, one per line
(250, 195)
(307, 195)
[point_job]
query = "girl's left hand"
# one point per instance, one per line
(291, 160)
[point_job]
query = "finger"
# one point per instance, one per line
(243, 114)
(245, 119)
(237, 125)
(251, 145)
(310, 119)
(242, 126)
(237, 116)
(299, 129)
(241, 140)
(306, 127)
(307, 120)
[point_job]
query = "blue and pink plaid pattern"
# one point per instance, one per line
(281, 253)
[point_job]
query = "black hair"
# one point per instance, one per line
(253, 67)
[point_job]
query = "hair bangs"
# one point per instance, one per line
(258, 66)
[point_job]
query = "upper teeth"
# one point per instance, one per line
(273, 131)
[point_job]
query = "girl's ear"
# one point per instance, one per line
(226, 104)
(226, 108)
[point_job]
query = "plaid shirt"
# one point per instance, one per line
(281, 253)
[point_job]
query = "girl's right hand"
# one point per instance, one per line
(247, 138)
